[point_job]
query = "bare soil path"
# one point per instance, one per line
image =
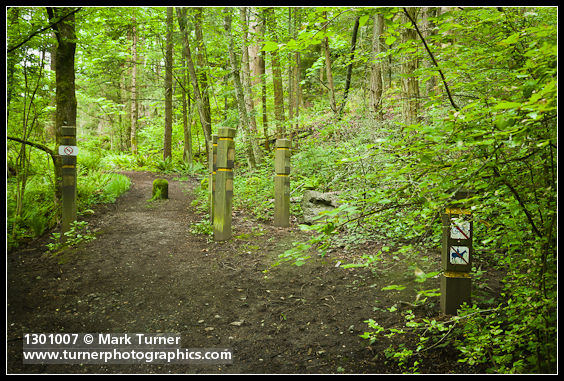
(146, 273)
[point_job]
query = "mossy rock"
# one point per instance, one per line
(160, 189)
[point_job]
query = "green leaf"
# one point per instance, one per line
(269, 46)
(390, 40)
(511, 39)
(397, 287)
(507, 105)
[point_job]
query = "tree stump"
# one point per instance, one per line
(160, 189)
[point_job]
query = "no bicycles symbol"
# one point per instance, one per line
(68, 150)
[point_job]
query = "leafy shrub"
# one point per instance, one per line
(77, 234)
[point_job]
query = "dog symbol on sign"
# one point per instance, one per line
(459, 229)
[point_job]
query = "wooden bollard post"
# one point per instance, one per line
(456, 257)
(212, 170)
(224, 184)
(282, 183)
(68, 152)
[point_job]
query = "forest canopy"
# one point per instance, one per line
(395, 109)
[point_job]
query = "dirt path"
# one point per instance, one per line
(145, 272)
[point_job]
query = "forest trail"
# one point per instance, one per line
(146, 273)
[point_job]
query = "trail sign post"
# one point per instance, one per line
(68, 152)
(282, 183)
(224, 184)
(456, 257)
(211, 180)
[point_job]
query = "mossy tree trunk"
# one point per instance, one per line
(65, 118)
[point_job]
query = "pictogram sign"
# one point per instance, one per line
(459, 229)
(68, 150)
(459, 255)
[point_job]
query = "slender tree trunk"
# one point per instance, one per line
(296, 77)
(187, 155)
(248, 90)
(205, 119)
(167, 146)
(124, 125)
(429, 30)
(349, 66)
(277, 80)
(134, 104)
(257, 68)
(202, 74)
(11, 60)
(243, 116)
(410, 84)
(262, 63)
(329, 72)
(376, 83)
(291, 69)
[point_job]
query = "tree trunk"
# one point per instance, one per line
(248, 90)
(167, 146)
(258, 70)
(205, 119)
(243, 116)
(277, 80)
(202, 75)
(65, 119)
(329, 72)
(349, 66)
(134, 105)
(187, 155)
(296, 78)
(124, 128)
(429, 30)
(410, 84)
(11, 60)
(291, 69)
(376, 83)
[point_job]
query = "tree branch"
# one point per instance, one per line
(35, 145)
(432, 59)
(519, 200)
(53, 24)
(349, 66)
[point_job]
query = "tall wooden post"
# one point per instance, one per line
(224, 184)
(456, 257)
(68, 152)
(212, 170)
(282, 183)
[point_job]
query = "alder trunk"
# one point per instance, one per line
(167, 145)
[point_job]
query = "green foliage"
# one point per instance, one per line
(89, 160)
(100, 187)
(116, 186)
(204, 227)
(78, 233)
(39, 215)
(258, 190)
(119, 161)
(514, 338)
